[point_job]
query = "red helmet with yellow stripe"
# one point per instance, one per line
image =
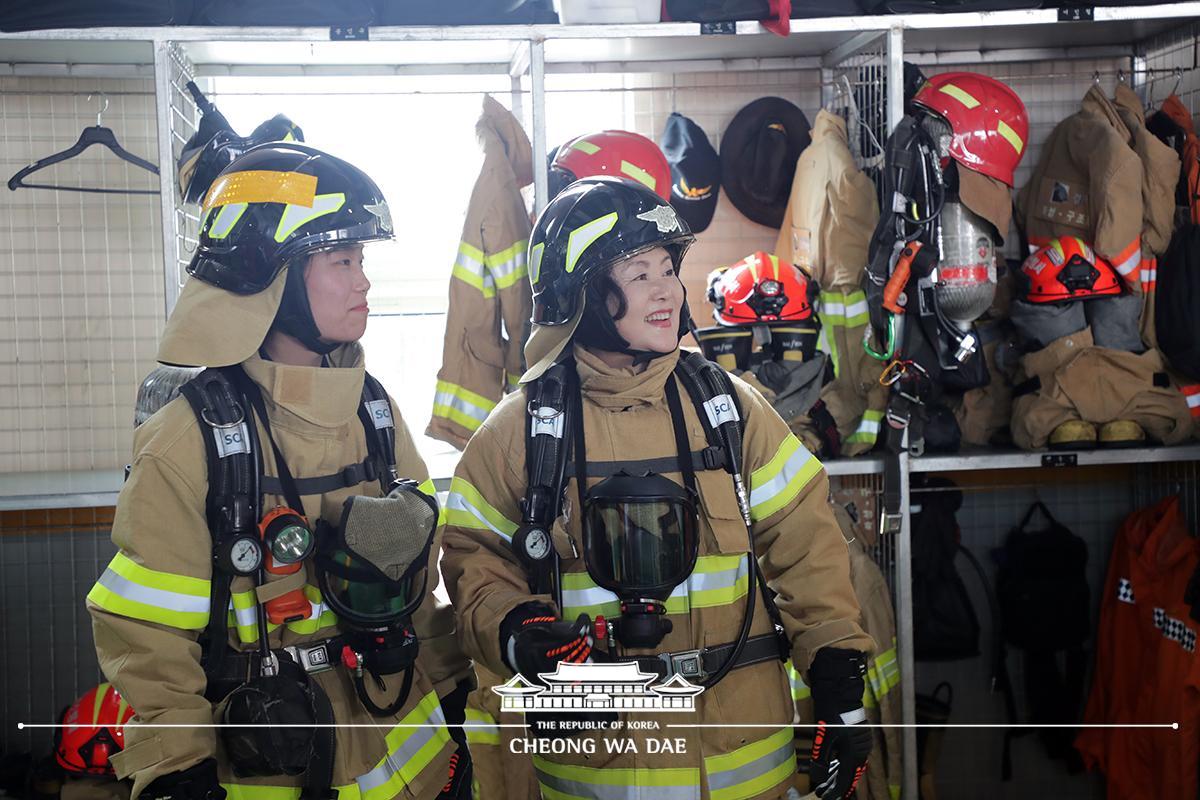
(621, 154)
(760, 288)
(1067, 269)
(92, 732)
(988, 120)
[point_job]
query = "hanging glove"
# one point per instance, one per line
(534, 640)
(194, 783)
(459, 777)
(840, 754)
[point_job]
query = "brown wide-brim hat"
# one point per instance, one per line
(987, 197)
(546, 344)
(759, 151)
(212, 327)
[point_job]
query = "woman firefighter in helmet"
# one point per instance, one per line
(637, 520)
(277, 525)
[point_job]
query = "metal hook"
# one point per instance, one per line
(1096, 77)
(103, 108)
(1120, 76)
(1178, 79)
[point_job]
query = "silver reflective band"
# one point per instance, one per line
(759, 766)
(599, 791)
(147, 595)
(396, 759)
(854, 717)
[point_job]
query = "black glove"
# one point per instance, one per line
(842, 740)
(194, 783)
(533, 640)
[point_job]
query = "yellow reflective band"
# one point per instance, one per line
(469, 268)
(244, 618)
(638, 174)
(467, 508)
(586, 146)
(569, 782)
(582, 237)
(262, 186)
(227, 217)
(481, 728)
(716, 581)
(295, 215)
(1011, 136)
(411, 750)
(961, 96)
(883, 672)
(868, 427)
(461, 406)
(827, 343)
(129, 589)
(508, 266)
(753, 769)
(894, 791)
(857, 311)
(241, 791)
(800, 690)
(780, 480)
(427, 488)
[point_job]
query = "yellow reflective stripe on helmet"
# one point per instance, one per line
(800, 690)
(752, 769)
(469, 268)
(129, 589)
(570, 782)
(582, 237)
(467, 508)
(412, 746)
(295, 215)
(638, 174)
(508, 266)
(101, 692)
(467, 408)
(227, 217)
(481, 728)
(242, 791)
(774, 265)
(964, 97)
(1011, 136)
(868, 427)
(535, 261)
(717, 580)
(261, 186)
(586, 146)
(780, 480)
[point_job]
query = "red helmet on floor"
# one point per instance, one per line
(758, 289)
(93, 732)
(987, 118)
(618, 153)
(1067, 269)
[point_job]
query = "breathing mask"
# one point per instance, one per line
(640, 541)
(372, 573)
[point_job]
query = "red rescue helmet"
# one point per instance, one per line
(760, 289)
(621, 154)
(93, 732)
(1067, 269)
(987, 118)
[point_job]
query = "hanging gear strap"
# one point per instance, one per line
(233, 502)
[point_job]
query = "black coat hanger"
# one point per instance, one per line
(96, 134)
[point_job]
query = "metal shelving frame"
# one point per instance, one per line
(527, 54)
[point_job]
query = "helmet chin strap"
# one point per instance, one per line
(598, 330)
(295, 316)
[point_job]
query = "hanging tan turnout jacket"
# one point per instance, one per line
(490, 303)
(832, 212)
(152, 602)
(798, 545)
(1088, 183)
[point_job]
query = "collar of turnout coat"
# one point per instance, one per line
(614, 388)
(323, 396)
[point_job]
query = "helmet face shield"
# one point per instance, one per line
(640, 535)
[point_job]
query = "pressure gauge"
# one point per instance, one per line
(241, 555)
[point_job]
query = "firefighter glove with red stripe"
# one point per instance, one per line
(534, 640)
(842, 741)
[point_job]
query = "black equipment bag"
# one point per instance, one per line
(945, 627)
(15, 17)
(1176, 323)
(1044, 604)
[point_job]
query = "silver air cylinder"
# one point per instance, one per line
(966, 273)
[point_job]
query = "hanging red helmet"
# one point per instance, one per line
(618, 153)
(759, 289)
(1067, 269)
(93, 732)
(987, 118)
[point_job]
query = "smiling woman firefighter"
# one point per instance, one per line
(637, 509)
(277, 525)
